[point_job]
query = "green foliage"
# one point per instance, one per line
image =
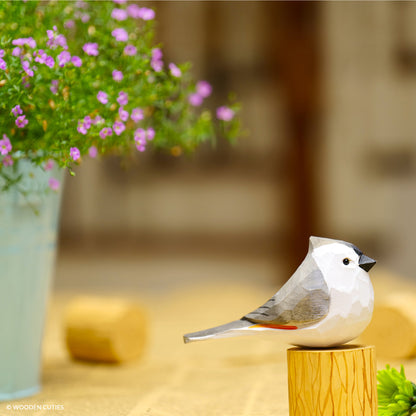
(54, 117)
(396, 394)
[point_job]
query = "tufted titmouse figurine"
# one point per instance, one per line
(328, 301)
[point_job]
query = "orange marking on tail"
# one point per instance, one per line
(274, 326)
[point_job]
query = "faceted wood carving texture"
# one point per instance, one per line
(339, 381)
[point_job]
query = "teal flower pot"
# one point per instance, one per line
(28, 229)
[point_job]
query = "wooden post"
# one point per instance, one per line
(295, 51)
(338, 382)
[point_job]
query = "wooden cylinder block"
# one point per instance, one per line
(105, 329)
(332, 382)
(393, 327)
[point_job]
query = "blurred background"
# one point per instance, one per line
(328, 91)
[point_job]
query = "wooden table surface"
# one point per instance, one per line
(228, 377)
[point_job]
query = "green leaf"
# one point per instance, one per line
(54, 115)
(396, 394)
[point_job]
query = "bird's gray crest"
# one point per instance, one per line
(315, 242)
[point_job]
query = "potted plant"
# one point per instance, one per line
(77, 80)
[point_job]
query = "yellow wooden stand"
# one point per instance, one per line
(332, 382)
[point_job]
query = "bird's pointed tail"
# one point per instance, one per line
(228, 330)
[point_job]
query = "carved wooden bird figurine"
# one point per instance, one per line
(328, 301)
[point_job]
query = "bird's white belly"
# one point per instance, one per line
(349, 313)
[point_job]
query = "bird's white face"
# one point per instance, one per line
(339, 264)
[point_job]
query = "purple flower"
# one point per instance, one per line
(2, 53)
(118, 127)
(69, 24)
(175, 71)
(91, 49)
(16, 110)
(140, 139)
(137, 114)
(97, 120)
(156, 62)
(119, 14)
(195, 99)
(54, 86)
(49, 165)
(55, 39)
(63, 58)
(16, 51)
(82, 128)
(140, 136)
(5, 145)
(150, 133)
(53, 184)
(157, 53)
(7, 161)
(85, 17)
(156, 65)
(3, 64)
(102, 97)
(43, 58)
(106, 131)
(134, 11)
(84, 125)
(130, 50)
(124, 115)
(87, 122)
(27, 69)
(24, 41)
(120, 1)
(60, 40)
(146, 13)
(31, 42)
(40, 56)
(49, 61)
(19, 41)
(92, 151)
(120, 34)
(122, 98)
(203, 88)
(76, 60)
(21, 121)
(225, 113)
(74, 153)
(117, 75)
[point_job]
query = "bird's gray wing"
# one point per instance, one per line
(302, 301)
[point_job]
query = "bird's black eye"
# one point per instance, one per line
(346, 261)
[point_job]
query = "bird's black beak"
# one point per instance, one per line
(366, 263)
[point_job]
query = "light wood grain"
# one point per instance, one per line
(105, 329)
(338, 382)
(241, 376)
